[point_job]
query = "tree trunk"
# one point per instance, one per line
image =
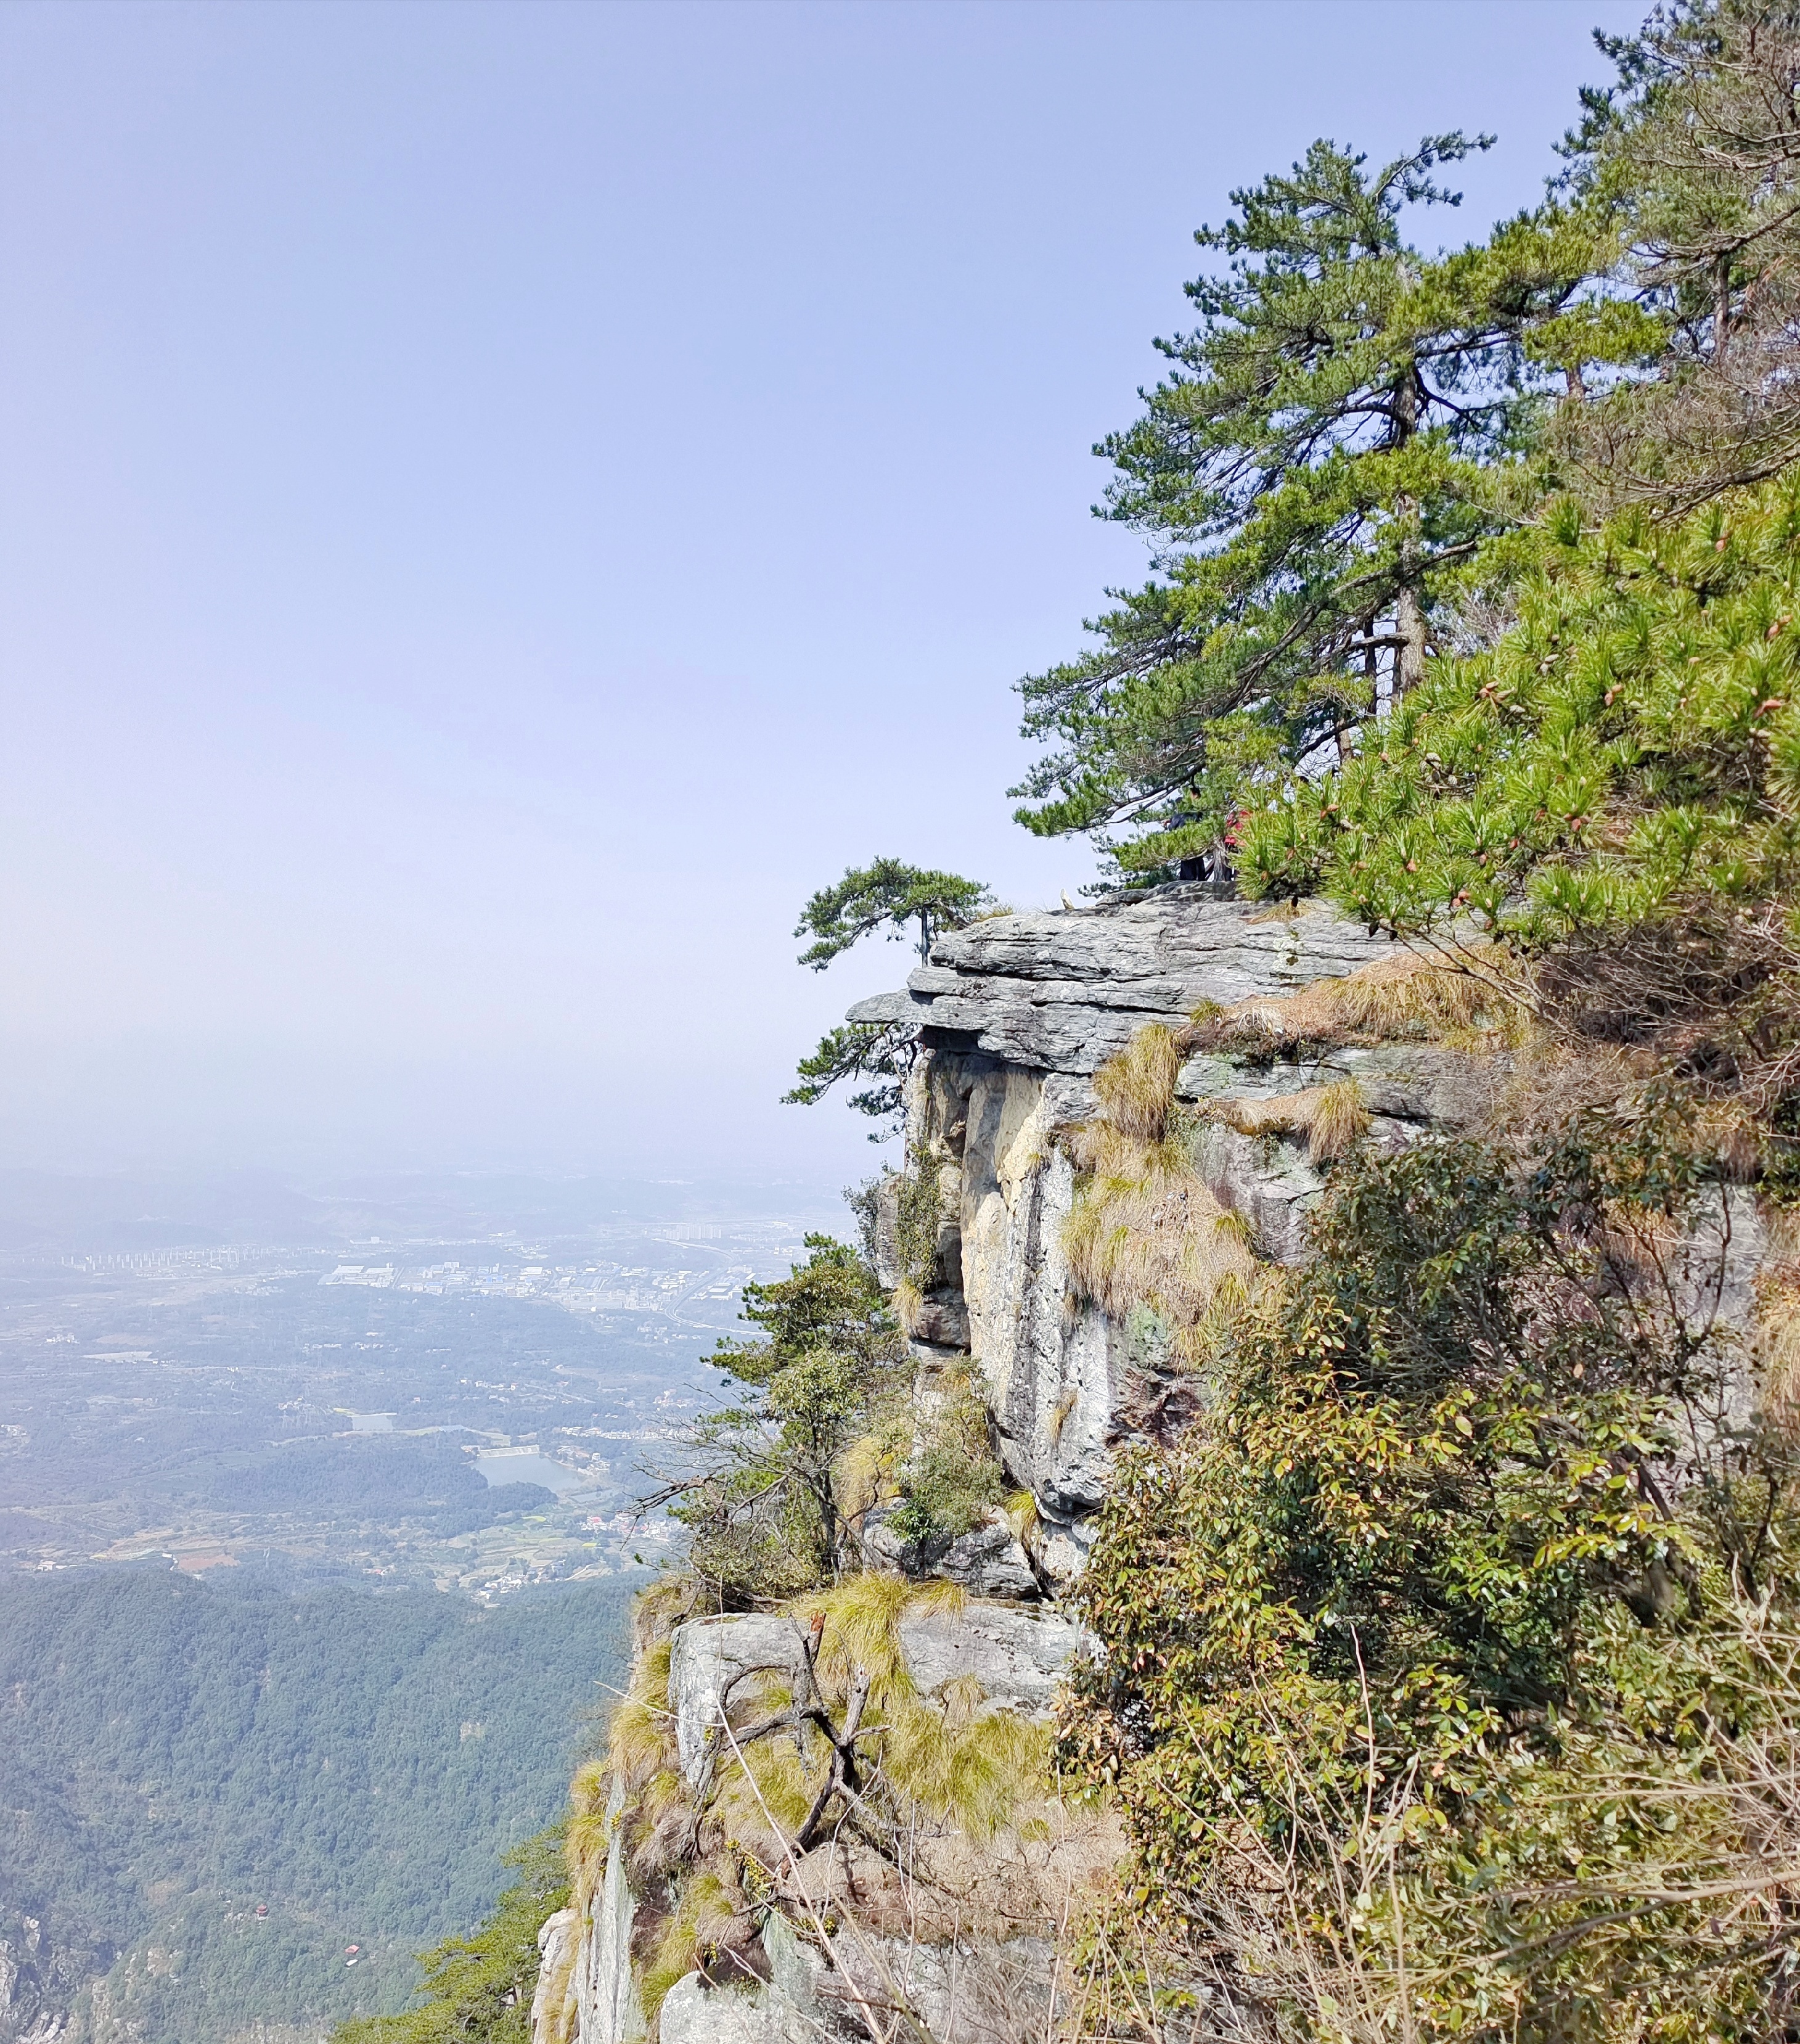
(1409, 605)
(1345, 732)
(1409, 626)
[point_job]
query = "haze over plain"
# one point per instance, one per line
(498, 505)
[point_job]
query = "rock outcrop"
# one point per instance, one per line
(1014, 1017)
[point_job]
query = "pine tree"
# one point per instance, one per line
(886, 891)
(1695, 154)
(1312, 473)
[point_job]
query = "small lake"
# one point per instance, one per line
(501, 1466)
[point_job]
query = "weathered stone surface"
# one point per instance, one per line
(988, 1562)
(787, 2008)
(1064, 991)
(880, 1009)
(608, 2009)
(1019, 1656)
(558, 1940)
(1017, 1013)
(942, 1319)
(694, 2012)
(884, 1231)
(42, 1974)
(708, 1658)
(964, 1991)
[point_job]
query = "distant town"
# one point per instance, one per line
(479, 1416)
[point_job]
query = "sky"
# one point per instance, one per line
(498, 503)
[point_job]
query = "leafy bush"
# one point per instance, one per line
(763, 1501)
(954, 1475)
(1449, 1678)
(1629, 751)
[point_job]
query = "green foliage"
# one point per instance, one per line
(1451, 1683)
(174, 1754)
(1694, 156)
(763, 1505)
(833, 1301)
(479, 1988)
(918, 1216)
(1335, 464)
(954, 1475)
(1613, 789)
(1314, 469)
(879, 1051)
(1629, 751)
(886, 891)
(1376, 1625)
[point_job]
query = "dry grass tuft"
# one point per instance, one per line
(1339, 1121)
(863, 1475)
(1333, 1119)
(907, 1303)
(1020, 1511)
(1163, 1241)
(641, 1763)
(1729, 1131)
(1145, 1229)
(586, 1837)
(960, 1760)
(641, 1736)
(1136, 1089)
(1406, 998)
(1778, 1325)
(862, 1615)
(678, 1948)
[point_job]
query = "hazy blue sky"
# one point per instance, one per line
(498, 502)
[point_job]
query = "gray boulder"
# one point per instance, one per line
(1019, 1656)
(988, 1562)
(1063, 991)
(708, 1658)
(787, 2008)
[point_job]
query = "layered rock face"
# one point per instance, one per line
(1015, 1016)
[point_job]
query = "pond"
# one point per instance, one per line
(501, 1466)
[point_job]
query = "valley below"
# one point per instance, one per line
(317, 1541)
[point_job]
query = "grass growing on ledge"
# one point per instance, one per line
(1402, 999)
(1333, 1119)
(1144, 1230)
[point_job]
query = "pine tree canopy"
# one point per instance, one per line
(1315, 473)
(886, 891)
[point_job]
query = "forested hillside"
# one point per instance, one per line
(175, 1758)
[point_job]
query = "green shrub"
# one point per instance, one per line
(1426, 1692)
(954, 1475)
(761, 1495)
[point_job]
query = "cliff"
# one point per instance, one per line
(1015, 1016)
(1016, 1023)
